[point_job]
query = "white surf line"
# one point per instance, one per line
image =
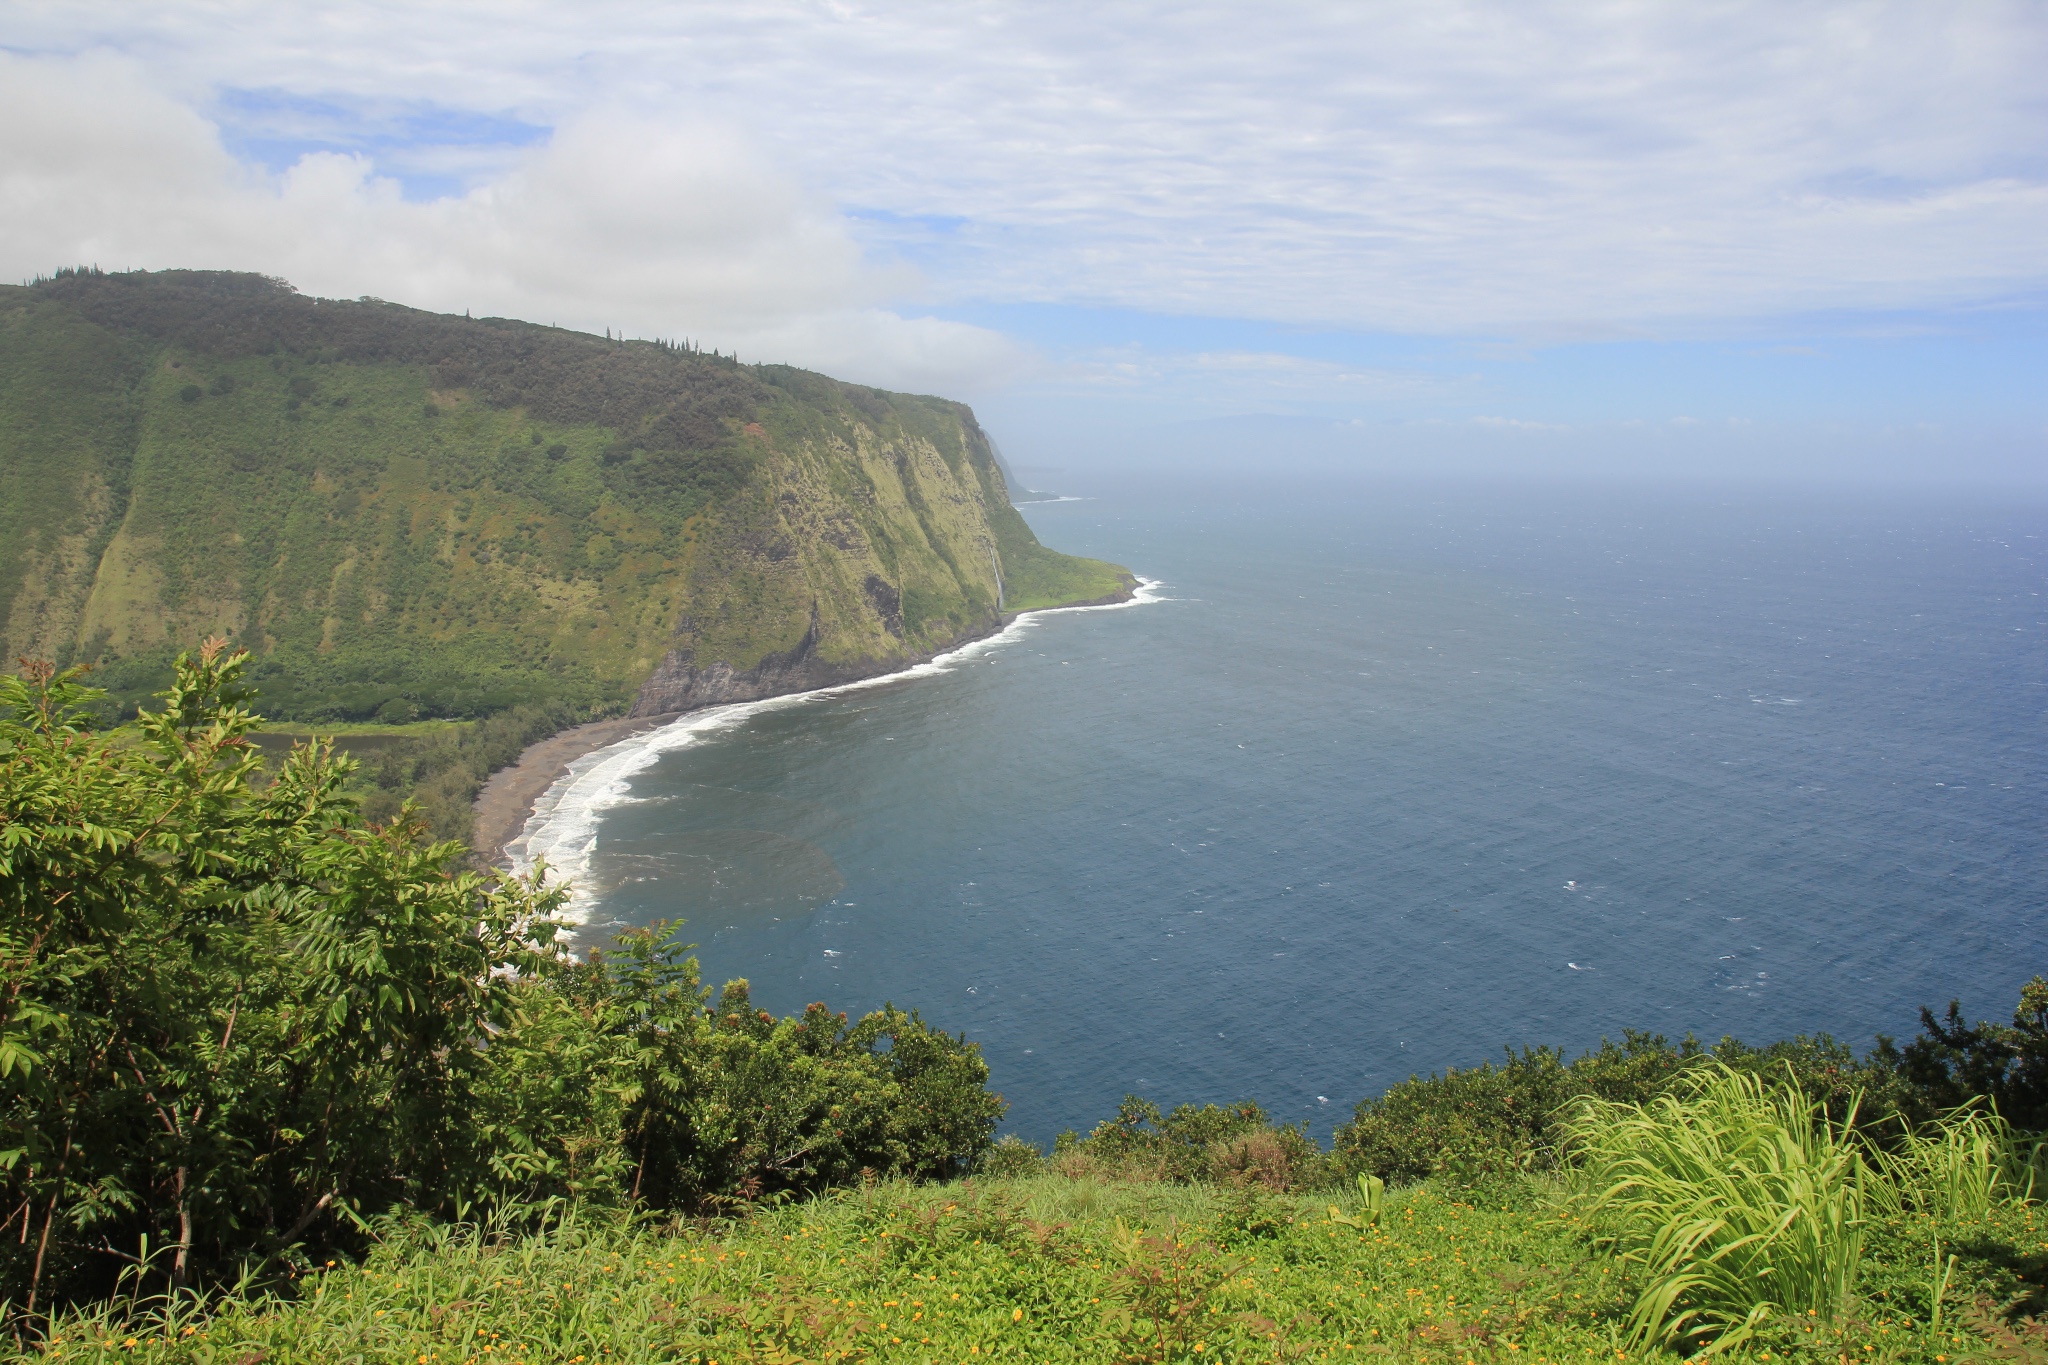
(562, 830)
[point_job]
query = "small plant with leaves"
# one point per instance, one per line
(1372, 1199)
(1164, 1284)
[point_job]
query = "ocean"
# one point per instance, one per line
(1379, 778)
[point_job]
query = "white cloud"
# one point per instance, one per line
(1473, 165)
(875, 346)
(647, 227)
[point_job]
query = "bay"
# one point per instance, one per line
(1389, 776)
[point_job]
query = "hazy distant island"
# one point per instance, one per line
(447, 538)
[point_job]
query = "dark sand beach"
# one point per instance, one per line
(507, 799)
(505, 802)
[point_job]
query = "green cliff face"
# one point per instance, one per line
(406, 514)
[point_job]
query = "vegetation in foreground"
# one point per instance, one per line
(1080, 1266)
(238, 1022)
(279, 1085)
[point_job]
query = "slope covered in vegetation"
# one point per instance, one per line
(409, 515)
(1078, 1267)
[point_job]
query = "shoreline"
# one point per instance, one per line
(506, 801)
(508, 797)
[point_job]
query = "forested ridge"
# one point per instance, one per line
(406, 515)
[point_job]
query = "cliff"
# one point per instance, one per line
(408, 514)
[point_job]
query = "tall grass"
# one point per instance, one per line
(1960, 1167)
(1737, 1199)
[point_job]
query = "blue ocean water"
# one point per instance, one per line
(1388, 777)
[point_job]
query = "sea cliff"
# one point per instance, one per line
(409, 515)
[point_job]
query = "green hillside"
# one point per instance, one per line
(410, 515)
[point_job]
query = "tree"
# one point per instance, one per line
(226, 1008)
(1954, 1062)
(234, 1016)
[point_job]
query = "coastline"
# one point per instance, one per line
(510, 795)
(507, 799)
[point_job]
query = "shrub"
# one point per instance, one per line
(1235, 1144)
(236, 1017)
(1494, 1120)
(1012, 1157)
(233, 1012)
(616, 1079)
(1953, 1062)
(1163, 1287)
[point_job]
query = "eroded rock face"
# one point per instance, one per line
(680, 685)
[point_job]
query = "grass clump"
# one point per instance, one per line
(1740, 1204)
(1735, 1198)
(1960, 1166)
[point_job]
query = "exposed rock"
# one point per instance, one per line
(679, 685)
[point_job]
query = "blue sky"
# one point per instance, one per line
(1787, 238)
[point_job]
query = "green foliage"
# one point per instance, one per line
(233, 1018)
(1738, 1199)
(1235, 1145)
(1165, 1285)
(1493, 1120)
(227, 1010)
(1372, 1202)
(698, 1108)
(1953, 1062)
(1013, 1270)
(1011, 1157)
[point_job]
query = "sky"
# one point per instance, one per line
(1718, 238)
